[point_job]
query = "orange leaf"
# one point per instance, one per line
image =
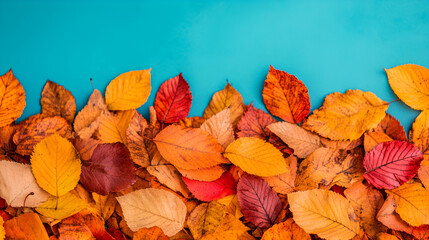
(58, 101)
(285, 182)
(185, 148)
(136, 142)
(285, 96)
(203, 174)
(153, 233)
(372, 139)
(285, 230)
(254, 123)
(87, 120)
(26, 226)
(220, 127)
(113, 127)
(392, 127)
(12, 97)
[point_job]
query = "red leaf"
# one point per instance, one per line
(2, 203)
(5, 215)
(208, 191)
(259, 204)
(390, 164)
(173, 100)
(338, 189)
(116, 234)
(254, 123)
(109, 170)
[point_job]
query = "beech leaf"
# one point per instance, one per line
(136, 142)
(153, 233)
(205, 218)
(208, 191)
(254, 123)
(109, 170)
(113, 127)
(390, 164)
(258, 202)
(25, 226)
(220, 127)
(12, 97)
(57, 101)
(285, 230)
(61, 207)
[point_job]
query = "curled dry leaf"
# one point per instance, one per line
(87, 120)
(410, 83)
(113, 127)
(285, 96)
(259, 204)
(128, 91)
(173, 100)
(18, 186)
(12, 97)
(184, 148)
(325, 213)
(254, 123)
(26, 226)
(220, 127)
(285, 230)
(205, 218)
(55, 165)
(57, 101)
(256, 156)
(226, 98)
(153, 207)
(136, 143)
(208, 191)
(347, 116)
(109, 170)
(390, 164)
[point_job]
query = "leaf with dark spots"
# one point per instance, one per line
(109, 170)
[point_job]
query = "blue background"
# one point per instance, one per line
(329, 45)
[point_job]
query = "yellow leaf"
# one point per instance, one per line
(55, 165)
(285, 230)
(57, 101)
(347, 116)
(419, 134)
(226, 98)
(205, 218)
(61, 207)
(285, 182)
(105, 205)
(372, 139)
(302, 142)
(220, 127)
(113, 127)
(87, 120)
(412, 203)
(128, 91)
(170, 177)
(410, 83)
(256, 157)
(2, 232)
(185, 148)
(12, 97)
(230, 228)
(325, 213)
(232, 205)
(153, 207)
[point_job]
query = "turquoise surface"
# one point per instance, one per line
(329, 45)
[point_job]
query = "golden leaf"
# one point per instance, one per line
(27, 226)
(325, 213)
(412, 203)
(410, 83)
(113, 127)
(184, 148)
(203, 174)
(2, 231)
(226, 98)
(55, 165)
(12, 97)
(57, 101)
(220, 127)
(285, 230)
(205, 219)
(105, 205)
(61, 207)
(256, 156)
(347, 116)
(153, 207)
(87, 120)
(302, 142)
(230, 228)
(419, 134)
(372, 139)
(128, 91)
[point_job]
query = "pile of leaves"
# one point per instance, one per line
(347, 171)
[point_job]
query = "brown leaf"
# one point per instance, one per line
(85, 147)
(254, 123)
(392, 127)
(136, 141)
(12, 97)
(58, 101)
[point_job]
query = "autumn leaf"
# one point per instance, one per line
(85, 147)
(173, 100)
(220, 127)
(18, 186)
(105, 205)
(347, 116)
(301, 141)
(256, 156)
(128, 91)
(206, 218)
(109, 170)
(284, 183)
(87, 120)
(410, 83)
(61, 207)
(2, 231)
(153, 233)
(27, 137)
(325, 213)
(57, 101)
(390, 164)
(285, 230)
(392, 127)
(203, 174)
(372, 139)
(185, 148)
(231, 229)
(208, 191)
(55, 165)
(170, 177)
(285, 96)
(12, 97)
(258, 202)
(153, 207)
(113, 127)
(228, 97)
(412, 203)
(26, 226)
(136, 142)
(254, 123)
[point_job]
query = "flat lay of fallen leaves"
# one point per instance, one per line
(347, 170)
